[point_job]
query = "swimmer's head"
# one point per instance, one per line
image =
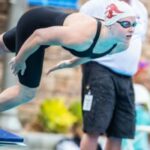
(116, 11)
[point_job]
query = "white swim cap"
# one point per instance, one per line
(116, 11)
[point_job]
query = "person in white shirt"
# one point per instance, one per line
(107, 91)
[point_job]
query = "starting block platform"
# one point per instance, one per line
(9, 139)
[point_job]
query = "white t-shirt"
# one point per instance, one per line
(125, 62)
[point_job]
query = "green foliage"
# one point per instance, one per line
(76, 109)
(55, 116)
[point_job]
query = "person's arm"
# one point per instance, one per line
(69, 64)
(57, 35)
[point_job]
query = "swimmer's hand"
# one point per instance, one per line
(17, 66)
(60, 65)
(69, 63)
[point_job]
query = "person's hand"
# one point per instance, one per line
(54, 68)
(17, 66)
(60, 65)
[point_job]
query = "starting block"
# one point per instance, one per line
(8, 139)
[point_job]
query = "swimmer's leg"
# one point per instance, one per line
(8, 41)
(15, 96)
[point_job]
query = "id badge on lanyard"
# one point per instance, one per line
(87, 103)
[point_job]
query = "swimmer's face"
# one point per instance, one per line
(124, 28)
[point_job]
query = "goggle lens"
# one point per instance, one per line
(127, 24)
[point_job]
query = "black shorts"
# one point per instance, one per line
(112, 109)
(36, 18)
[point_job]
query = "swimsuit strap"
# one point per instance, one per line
(96, 37)
(104, 53)
(89, 51)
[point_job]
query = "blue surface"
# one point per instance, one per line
(6, 136)
(72, 4)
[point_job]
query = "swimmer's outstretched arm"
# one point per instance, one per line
(45, 36)
(69, 64)
(57, 35)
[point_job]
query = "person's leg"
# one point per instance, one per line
(8, 41)
(3, 48)
(123, 121)
(98, 86)
(113, 144)
(13, 40)
(15, 96)
(89, 142)
(25, 90)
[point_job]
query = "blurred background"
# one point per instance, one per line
(56, 109)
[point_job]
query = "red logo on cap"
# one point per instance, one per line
(112, 10)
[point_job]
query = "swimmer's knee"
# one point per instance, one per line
(26, 93)
(28, 96)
